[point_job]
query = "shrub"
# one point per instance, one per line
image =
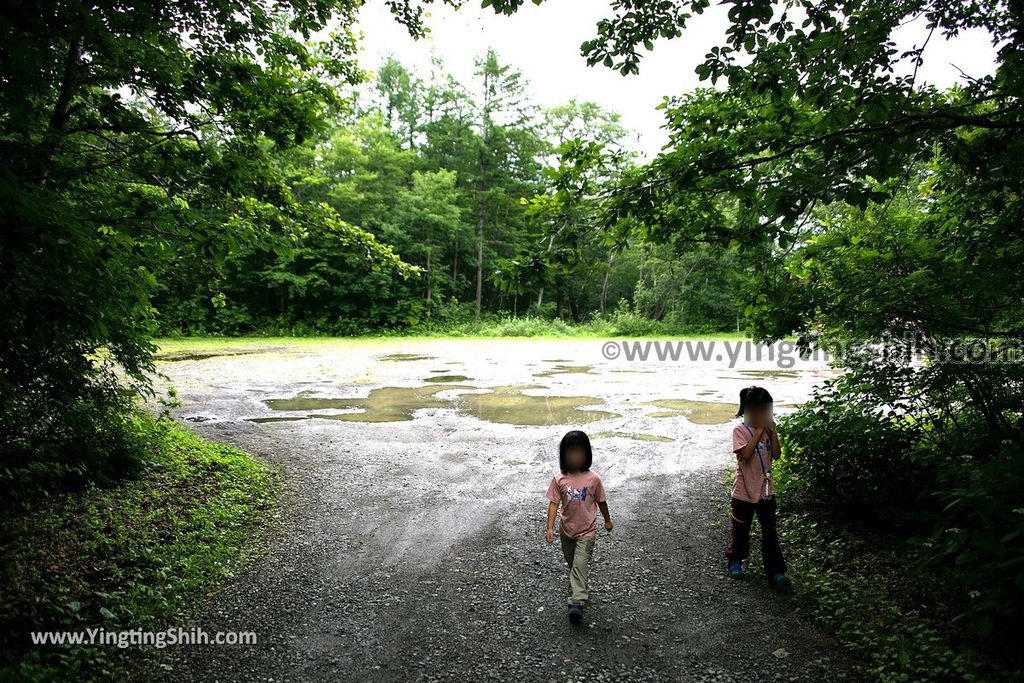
(851, 457)
(934, 481)
(980, 532)
(629, 323)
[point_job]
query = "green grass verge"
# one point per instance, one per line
(888, 610)
(174, 345)
(500, 327)
(127, 556)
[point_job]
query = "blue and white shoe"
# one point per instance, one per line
(780, 580)
(736, 570)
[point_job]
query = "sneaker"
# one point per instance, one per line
(736, 570)
(575, 613)
(780, 581)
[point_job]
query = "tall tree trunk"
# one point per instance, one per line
(62, 108)
(455, 267)
(604, 286)
(479, 252)
(558, 297)
(481, 184)
(67, 86)
(429, 284)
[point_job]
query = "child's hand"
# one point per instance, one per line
(550, 535)
(608, 525)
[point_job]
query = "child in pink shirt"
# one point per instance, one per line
(580, 494)
(756, 445)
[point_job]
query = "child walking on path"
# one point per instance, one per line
(580, 493)
(756, 445)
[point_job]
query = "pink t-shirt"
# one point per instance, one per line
(749, 484)
(579, 494)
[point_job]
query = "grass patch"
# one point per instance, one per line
(248, 344)
(488, 327)
(887, 609)
(129, 555)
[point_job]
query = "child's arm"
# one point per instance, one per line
(603, 507)
(748, 450)
(552, 509)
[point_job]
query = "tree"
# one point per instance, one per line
(820, 107)
(565, 213)
(126, 128)
(429, 216)
(402, 96)
(505, 147)
(821, 110)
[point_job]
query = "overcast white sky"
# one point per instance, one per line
(543, 42)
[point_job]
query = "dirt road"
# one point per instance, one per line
(411, 545)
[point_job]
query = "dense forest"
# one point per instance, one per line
(437, 177)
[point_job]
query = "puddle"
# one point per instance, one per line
(447, 378)
(508, 405)
(636, 436)
(698, 412)
(276, 419)
(566, 370)
(502, 404)
(397, 357)
(306, 400)
(385, 404)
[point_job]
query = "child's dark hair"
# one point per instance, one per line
(753, 397)
(575, 439)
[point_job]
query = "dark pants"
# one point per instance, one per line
(742, 520)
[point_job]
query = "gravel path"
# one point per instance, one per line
(414, 551)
